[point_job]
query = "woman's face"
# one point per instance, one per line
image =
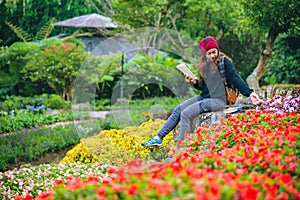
(212, 54)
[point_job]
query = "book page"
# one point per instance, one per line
(185, 70)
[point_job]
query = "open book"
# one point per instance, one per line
(185, 70)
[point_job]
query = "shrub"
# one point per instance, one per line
(18, 103)
(12, 123)
(56, 102)
(79, 154)
(116, 147)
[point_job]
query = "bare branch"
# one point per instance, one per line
(173, 21)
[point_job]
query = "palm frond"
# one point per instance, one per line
(45, 30)
(23, 35)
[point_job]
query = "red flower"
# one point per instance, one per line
(176, 167)
(248, 192)
(251, 193)
(110, 170)
(215, 189)
(271, 190)
(284, 167)
(101, 191)
(265, 164)
(224, 144)
(74, 183)
(282, 196)
(45, 195)
(106, 180)
(277, 161)
(28, 197)
(58, 182)
(164, 189)
(292, 167)
(132, 189)
(241, 171)
(286, 178)
(118, 188)
(248, 113)
(180, 143)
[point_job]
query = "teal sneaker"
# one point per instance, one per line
(169, 159)
(152, 142)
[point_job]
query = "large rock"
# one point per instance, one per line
(215, 117)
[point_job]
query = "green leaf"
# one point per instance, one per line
(23, 35)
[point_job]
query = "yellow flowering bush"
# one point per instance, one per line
(79, 154)
(116, 147)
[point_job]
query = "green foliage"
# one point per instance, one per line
(151, 76)
(30, 144)
(102, 104)
(204, 18)
(25, 112)
(131, 112)
(25, 37)
(284, 67)
(43, 33)
(142, 13)
(45, 30)
(19, 102)
(96, 72)
(259, 17)
(33, 118)
(12, 60)
(56, 61)
(56, 102)
(32, 15)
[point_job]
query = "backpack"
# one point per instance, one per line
(231, 91)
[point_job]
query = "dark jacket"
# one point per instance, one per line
(213, 87)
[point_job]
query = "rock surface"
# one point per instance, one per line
(212, 118)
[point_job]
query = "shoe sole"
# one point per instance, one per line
(152, 145)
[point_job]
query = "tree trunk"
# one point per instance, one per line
(265, 54)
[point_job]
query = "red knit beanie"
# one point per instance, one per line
(208, 43)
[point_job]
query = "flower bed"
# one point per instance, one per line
(33, 180)
(254, 155)
(28, 145)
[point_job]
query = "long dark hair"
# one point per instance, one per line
(206, 66)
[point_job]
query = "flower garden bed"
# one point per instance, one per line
(252, 155)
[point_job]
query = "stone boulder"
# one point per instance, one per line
(211, 118)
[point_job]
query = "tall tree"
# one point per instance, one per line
(30, 15)
(266, 19)
(149, 13)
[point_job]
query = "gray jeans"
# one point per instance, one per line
(186, 112)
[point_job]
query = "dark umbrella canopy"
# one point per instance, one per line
(91, 20)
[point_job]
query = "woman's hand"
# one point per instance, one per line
(189, 79)
(255, 98)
